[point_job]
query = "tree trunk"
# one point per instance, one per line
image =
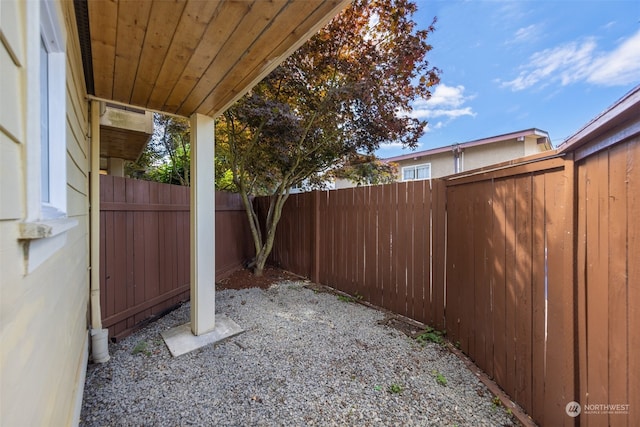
(262, 254)
(258, 269)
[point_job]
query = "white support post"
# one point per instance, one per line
(205, 327)
(203, 270)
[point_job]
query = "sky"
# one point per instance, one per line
(515, 65)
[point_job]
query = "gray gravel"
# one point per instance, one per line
(306, 358)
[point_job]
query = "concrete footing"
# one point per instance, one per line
(180, 340)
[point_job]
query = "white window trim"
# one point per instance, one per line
(415, 169)
(52, 31)
(45, 224)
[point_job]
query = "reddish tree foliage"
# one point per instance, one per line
(346, 91)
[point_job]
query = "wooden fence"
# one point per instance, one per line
(144, 248)
(608, 280)
(532, 267)
(509, 281)
(377, 242)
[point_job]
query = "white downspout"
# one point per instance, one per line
(99, 336)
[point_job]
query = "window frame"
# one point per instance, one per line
(52, 36)
(414, 169)
(43, 231)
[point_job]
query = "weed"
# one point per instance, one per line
(431, 335)
(377, 388)
(141, 347)
(495, 403)
(395, 388)
(440, 379)
(509, 411)
(345, 298)
(457, 344)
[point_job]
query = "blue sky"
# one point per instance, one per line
(514, 65)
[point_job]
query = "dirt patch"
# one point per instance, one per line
(245, 279)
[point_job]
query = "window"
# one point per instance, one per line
(52, 84)
(44, 228)
(410, 173)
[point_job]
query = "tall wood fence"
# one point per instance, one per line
(608, 280)
(532, 267)
(377, 242)
(144, 248)
(509, 287)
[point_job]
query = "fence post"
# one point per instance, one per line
(438, 263)
(315, 230)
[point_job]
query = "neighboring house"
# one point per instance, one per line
(469, 155)
(451, 159)
(60, 61)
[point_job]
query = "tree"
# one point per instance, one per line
(366, 169)
(166, 156)
(346, 91)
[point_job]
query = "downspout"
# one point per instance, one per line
(99, 336)
(455, 148)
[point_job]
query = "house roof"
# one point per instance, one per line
(484, 141)
(621, 120)
(190, 56)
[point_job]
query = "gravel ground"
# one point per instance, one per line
(305, 358)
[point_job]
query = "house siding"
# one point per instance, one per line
(472, 158)
(43, 314)
(441, 164)
(489, 154)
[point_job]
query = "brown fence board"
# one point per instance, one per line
(477, 336)
(559, 356)
(420, 290)
(597, 287)
(454, 264)
(467, 288)
(498, 228)
(382, 245)
(131, 264)
(438, 250)
(581, 275)
(633, 280)
(357, 270)
(510, 282)
(523, 228)
(618, 293)
(538, 296)
(415, 253)
(370, 242)
(400, 242)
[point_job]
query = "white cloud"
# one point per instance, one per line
(446, 101)
(397, 145)
(525, 34)
(620, 67)
(431, 126)
(581, 61)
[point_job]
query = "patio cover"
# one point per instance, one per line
(194, 59)
(190, 56)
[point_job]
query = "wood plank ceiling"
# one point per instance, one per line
(194, 56)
